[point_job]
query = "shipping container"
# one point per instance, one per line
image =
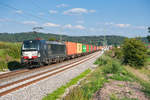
(71, 48)
(83, 48)
(94, 48)
(101, 47)
(98, 47)
(87, 48)
(79, 48)
(91, 48)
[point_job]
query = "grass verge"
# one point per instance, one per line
(57, 93)
(145, 84)
(93, 82)
(109, 69)
(9, 56)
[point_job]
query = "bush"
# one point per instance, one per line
(14, 51)
(148, 52)
(109, 65)
(3, 45)
(3, 65)
(134, 52)
(112, 67)
(118, 53)
(109, 53)
(102, 60)
(13, 65)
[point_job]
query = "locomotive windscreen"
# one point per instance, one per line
(30, 45)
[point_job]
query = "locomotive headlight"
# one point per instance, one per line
(39, 54)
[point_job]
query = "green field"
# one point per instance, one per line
(9, 55)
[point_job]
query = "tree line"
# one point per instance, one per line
(96, 40)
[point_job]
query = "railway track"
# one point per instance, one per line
(13, 73)
(13, 86)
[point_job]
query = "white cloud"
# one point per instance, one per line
(77, 11)
(62, 6)
(53, 11)
(79, 27)
(126, 26)
(69, 26)
(122, 25)
(19, 11)
(30, 22)
(51, 25)
(118, 25)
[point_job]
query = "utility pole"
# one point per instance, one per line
(105, 41)
(35, 30)
(60, 36)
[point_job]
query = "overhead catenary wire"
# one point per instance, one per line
(27, 14)
(24, 14)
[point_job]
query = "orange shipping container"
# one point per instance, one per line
(87, 48)
(71, 48)
(79, 48)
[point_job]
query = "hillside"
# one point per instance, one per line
(19, 37)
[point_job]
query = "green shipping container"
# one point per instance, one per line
(83, 48)
(89, 48)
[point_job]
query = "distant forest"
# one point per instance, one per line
(96, 40)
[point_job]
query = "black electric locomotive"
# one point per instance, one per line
(35, 53)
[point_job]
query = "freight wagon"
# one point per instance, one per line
(35, 53)
(71, 49)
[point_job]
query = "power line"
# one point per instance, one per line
(25, 14)
(14, 8)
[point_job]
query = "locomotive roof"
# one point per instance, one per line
(48, 42)
(54, 42)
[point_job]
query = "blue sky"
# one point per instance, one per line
(76, 17)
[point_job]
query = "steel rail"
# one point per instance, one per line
(31, 82)
(13, 73)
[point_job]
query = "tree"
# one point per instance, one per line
(148, 37)
(52, 39)
(149, 29)
(134, 52)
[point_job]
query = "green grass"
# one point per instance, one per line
(99, 76)
(9, 52)
(148, 59)
(144, 84)
(2, 53)
(93, 82)
(57, 93)
(114, 97)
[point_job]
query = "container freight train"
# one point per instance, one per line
(35, 53)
